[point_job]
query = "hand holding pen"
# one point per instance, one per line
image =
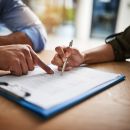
(72, 57)
(66, 59)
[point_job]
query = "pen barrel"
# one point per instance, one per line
(66, 59)
(64, 65)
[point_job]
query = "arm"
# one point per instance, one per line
(117, 49)
(15, 38)
(99, 54)
(24, 24)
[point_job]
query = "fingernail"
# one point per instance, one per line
(50, 71)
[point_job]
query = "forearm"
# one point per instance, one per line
(99, 54)
(15, 38)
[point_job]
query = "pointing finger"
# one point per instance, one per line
(40, 63)
(60, 52)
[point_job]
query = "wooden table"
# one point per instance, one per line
(109, 110)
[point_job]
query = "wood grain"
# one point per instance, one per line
(109, 110)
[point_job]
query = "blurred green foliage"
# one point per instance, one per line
(70, 14)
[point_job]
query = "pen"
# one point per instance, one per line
(66, 59)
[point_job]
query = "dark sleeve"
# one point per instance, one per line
(121, 45)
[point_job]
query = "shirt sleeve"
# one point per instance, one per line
(19, 18)
(121, 45)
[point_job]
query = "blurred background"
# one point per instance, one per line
(88, 22)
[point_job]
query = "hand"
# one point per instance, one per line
(19, 59)
(75, 58)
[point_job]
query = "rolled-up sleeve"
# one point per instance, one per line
(37, 36)
(121, 45)
(19, 18)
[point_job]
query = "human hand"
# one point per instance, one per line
(19, 59)
(75, 58)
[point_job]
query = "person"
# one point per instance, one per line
(25, 26)
(116, 49)
(26, 29)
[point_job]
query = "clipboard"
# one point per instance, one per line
(47, 113)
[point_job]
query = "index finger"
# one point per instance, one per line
(60, 51)
(44, 66)
(40, 63)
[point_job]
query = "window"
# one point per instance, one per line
(58, 16)
(104, 18)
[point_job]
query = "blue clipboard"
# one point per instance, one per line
(46, 113)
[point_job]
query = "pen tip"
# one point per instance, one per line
(71, 43)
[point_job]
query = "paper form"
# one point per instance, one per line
(49, 90)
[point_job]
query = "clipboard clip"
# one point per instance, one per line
(13, 90)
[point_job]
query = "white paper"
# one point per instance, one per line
(49, 90)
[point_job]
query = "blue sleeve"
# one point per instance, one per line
(19, 18)
(35, 33)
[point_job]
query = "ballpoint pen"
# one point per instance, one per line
(66, 59)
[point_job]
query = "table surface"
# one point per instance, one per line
(109, 110)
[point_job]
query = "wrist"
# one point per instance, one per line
(83, 58)
(2, 52)
(19, 38)
(4, 40)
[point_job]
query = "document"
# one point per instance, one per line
(50, 90)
